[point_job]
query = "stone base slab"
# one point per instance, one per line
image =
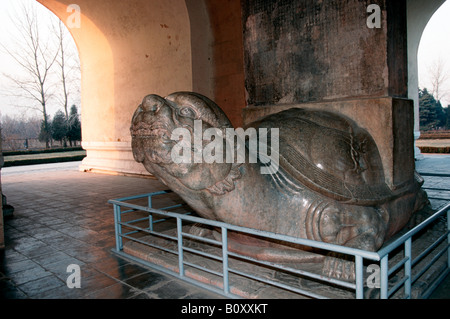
(246, 287)
(112, 158)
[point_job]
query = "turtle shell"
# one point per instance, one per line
(330, 154)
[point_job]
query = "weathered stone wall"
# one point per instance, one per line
(305, 50)
(228, 56)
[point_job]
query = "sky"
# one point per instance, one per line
(13, 106)
(434, 45)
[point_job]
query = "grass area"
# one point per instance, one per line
(31, 158)
(434, 135)
(441, 146)
(44, 150)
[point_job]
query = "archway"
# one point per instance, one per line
(131, 49)
(433, 58)
(418, 14)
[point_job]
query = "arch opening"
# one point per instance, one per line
(434, 75)
(419, 14)
(40, 77)
(131, 49)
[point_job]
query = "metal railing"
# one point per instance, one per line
(132, 229)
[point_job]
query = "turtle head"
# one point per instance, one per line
(154, 135)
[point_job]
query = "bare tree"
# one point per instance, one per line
(35, 55)
(17, 130)
(69, 66)
(69, 69)
(439, 77)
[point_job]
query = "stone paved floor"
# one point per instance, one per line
(62, 217)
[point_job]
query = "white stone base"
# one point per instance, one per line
(417, 154)
(111, 158)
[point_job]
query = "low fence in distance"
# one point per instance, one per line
(24, 144)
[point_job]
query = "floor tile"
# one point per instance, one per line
(28, 275)
(116, 291)
(41, 285)
(125, 272)
(8, 290)
(171, 290)
(8, 256)
(147, 281)
(62, 292)
(18, 266)
(54, 257)
(61, 268)
(38, 250)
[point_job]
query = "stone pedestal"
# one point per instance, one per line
(248, 287)
(111, 158)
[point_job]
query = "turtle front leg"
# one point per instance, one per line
(352, 226)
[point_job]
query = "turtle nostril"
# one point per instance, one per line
(151, 103)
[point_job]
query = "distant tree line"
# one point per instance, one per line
(16, 132)
(432, 115)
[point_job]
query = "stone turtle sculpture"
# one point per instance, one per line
(329, 185)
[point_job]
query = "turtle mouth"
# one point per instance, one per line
(154, 140)
(143, 130)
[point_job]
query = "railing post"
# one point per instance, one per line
(448, 238)
(150, 215)
(359, 277)
(180, 246)
(226, 287)
(118, 227)
(384, 280)
(408, 255)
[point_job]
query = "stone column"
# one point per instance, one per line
(334, 55)
(2, 226)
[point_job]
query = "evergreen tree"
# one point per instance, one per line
(431, 113)
(59, 128)
(447, 117)
(74, 127)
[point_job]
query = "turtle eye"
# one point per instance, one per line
(186, 112)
